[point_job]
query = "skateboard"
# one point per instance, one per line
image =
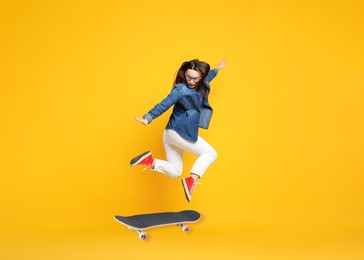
(144, 221)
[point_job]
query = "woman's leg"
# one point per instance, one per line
(206, 156)
(173, 165)
(205, 152)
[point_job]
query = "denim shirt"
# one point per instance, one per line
(190, 111)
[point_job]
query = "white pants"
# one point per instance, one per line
(174, 145)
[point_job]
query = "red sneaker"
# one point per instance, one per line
(145, 159)
(189, 185)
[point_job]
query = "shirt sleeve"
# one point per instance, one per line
(164, 105)
(212, 74)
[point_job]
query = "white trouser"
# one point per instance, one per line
(174, 145)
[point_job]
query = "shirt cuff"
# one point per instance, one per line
(148, 117)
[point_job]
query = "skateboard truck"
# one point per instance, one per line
(144, 235)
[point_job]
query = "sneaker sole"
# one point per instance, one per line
(185, 188)
(139, 158)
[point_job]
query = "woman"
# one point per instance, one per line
(191, 110)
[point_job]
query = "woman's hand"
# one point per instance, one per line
(141, 120)
(221, 65)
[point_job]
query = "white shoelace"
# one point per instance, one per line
(195, 183)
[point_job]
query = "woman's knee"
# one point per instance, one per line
(213, 155)
(177, 173)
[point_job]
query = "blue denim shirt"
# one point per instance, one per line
(190, 111)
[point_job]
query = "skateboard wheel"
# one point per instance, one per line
(185, 228)
(143, 236)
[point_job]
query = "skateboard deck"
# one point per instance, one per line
(144, 221)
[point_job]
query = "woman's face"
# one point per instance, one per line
(192, 77)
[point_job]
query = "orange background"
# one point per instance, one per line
(288, 128)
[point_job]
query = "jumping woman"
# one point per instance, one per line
(191, 110)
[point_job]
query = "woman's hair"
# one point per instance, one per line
(199, 66)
